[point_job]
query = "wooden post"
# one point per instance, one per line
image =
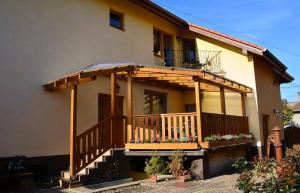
(73, 121)
(222, 98)
(198, 110)
(113, 107)
(223, 107)
(129, 108)
(243, 101)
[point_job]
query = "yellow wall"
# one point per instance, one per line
(240, 68)
(43, 40)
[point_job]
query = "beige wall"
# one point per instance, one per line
(43, 40)
(269, 98)
(296, 119)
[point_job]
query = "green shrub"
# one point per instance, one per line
(154, 166)
(262, 176)
(241, 165)
(169, 141)
(210, 138)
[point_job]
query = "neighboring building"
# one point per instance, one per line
(44, 40)
(295, 106)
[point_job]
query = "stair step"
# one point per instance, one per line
(63, 183)
(65, 175)
(83, 174)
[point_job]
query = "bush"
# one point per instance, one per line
(154, 166)
(176, 167)
(242, 165)
(261, 176)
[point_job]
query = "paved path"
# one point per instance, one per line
(221, 184)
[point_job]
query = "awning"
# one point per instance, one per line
(169, 77)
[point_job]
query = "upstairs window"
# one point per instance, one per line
(116, 19)
(157, 42)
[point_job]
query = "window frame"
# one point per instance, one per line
(122, 20)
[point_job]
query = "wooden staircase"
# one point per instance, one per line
(95, 149)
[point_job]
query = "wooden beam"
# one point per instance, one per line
(73, 125)
(113, 106)
(243, 101)
(198, 111)
(129, 108)
(223, 102)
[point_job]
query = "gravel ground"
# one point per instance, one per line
(220, 184)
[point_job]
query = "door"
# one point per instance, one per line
(104, 111)
(265, 127)
(189, 55)
(168, 50)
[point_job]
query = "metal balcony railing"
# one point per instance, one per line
(192, 59)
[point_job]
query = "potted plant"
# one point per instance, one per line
(176, 167)
(154, 166)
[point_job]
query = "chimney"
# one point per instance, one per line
(298, 96)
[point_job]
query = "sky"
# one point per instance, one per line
(274, 24)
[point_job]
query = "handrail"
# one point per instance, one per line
(100, 123)
(98, 139)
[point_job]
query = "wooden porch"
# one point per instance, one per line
(179, 130)
(169, 131)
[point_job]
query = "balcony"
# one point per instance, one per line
(199, 59)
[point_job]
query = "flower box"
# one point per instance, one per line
(216, 144)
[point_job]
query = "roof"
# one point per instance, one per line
(161, 12)
(223, 37)
(179, 78)
(295, 106)
(278, 67)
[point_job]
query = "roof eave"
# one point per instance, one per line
(278, 67)
(161, 12)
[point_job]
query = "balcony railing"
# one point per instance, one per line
(199, 59)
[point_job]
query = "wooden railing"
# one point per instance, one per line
(95, 141)
(176, 127)
(218, 124)
(164, 127)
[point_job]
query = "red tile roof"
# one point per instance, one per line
(194, 27)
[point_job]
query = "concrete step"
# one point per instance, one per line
(90, 171)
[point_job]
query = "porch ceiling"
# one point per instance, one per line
(177, 78)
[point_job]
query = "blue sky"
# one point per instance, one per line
(270, 23)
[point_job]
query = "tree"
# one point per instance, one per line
(287, 113)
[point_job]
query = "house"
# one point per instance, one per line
(295, 106)
(80, 78)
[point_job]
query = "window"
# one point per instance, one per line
(116, 19)
(155, 102)
(157, 45)
(163, 48)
